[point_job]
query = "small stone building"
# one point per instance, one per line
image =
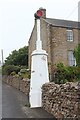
(59, 38)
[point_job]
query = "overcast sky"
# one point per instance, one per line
(17, 19)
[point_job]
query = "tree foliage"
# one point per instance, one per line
(16, 61)
(18, 57)
(77, 54)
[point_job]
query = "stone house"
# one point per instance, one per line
(59, 38)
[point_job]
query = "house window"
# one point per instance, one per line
(69, 35)
(71, 59)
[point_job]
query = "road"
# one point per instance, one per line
(12, 102)
(13, 105)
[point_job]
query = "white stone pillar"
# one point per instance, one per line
(39, 72)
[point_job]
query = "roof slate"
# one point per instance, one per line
(63, 23)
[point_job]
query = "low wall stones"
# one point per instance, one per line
(25, 86)
(61, 100)
(22, 85)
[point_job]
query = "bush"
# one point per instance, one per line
(65, 74)
(23, 70)
(13, 73)
(24, 73)
(77, 54)
(8, 69)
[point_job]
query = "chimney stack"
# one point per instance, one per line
(44, 12)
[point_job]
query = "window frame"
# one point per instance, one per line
(70, 35)
(71, 59)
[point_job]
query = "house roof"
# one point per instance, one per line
(63, 23)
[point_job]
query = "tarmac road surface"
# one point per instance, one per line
(13, 105)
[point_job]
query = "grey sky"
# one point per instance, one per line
(17, 19)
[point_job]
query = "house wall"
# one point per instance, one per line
(60, 45)
(32, 44)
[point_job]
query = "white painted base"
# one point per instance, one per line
(39, 76)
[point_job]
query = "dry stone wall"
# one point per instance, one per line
(22, 85)
(61, 100)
